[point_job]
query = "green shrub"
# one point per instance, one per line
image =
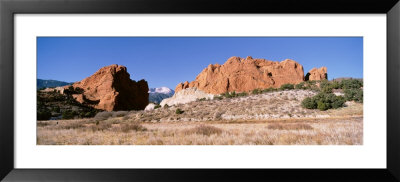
(43, 114)
(157, 106)
(269, 90)
(218, 97)
(69, 114)
(256, 91)
(311, 85)
(179, 111)
(327, 89)
(166, 106)
(233, 94)
(55, 109)
(78, 90)
(323, 101)
(201, 99)
(227, 95)
(351, 84)
(300, 86)
(338, 102)
(71, 90)
(309, 103)
(311, 82)
(287, 86)
(89, 114)
(349, 94)
(322, 106)
(353, 95)
(335, 84)
(327, 86)
(359, 96)
(81, 114)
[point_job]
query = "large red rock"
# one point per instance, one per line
(111, 89)
(242, 75)
(317, 74)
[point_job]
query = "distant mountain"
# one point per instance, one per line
(50, 83)
(156, 95)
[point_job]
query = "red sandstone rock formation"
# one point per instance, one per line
(111, 89)
(182, 86)
(317, 74)
(242, 75)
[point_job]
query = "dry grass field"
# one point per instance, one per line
(333, 131)
(268, 119)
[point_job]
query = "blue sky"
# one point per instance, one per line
(166, 61)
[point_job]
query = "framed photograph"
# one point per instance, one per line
(201, 90)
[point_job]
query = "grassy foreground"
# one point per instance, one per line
(325, 131)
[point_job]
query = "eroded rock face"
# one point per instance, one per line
(242, 75)
(317, 74)
(111, 89)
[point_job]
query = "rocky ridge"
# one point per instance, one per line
(243, 75)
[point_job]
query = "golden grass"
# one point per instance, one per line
(296, 126)
(340, 130)
(203, 130)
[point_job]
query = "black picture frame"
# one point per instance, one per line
(8, 8)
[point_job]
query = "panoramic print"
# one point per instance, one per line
(199, 91)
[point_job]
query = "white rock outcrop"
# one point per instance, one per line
(150, 107)
(185, 96)
(57, 89)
